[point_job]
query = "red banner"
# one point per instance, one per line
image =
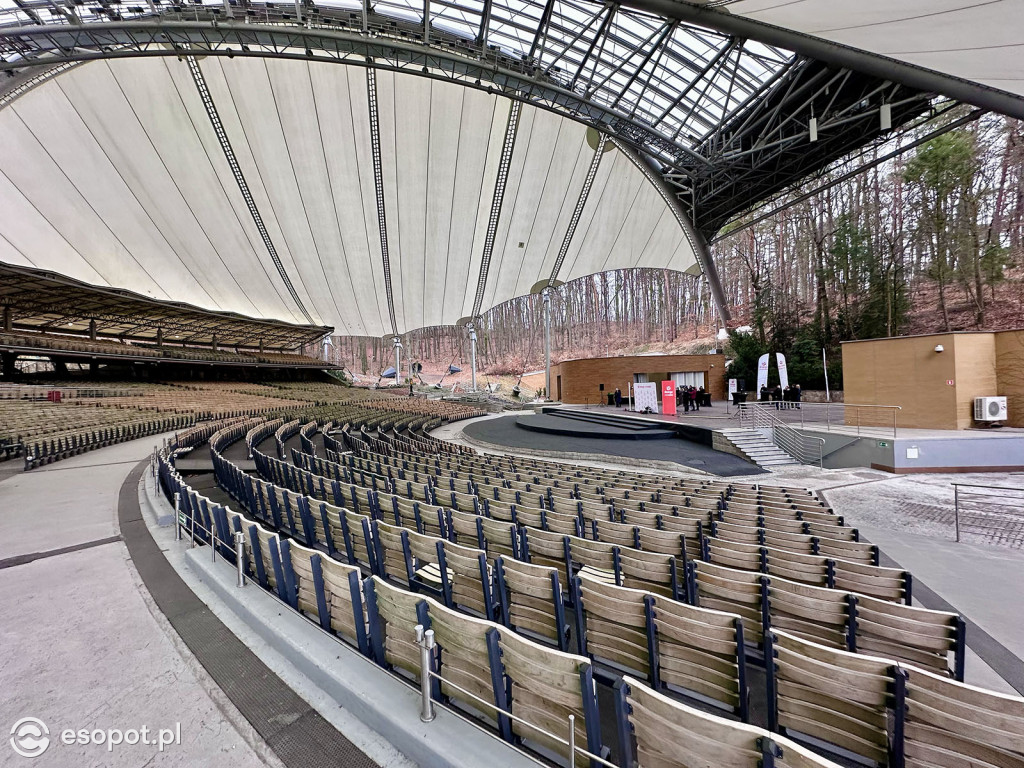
(668, 398)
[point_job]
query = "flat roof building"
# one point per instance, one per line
(935, 378)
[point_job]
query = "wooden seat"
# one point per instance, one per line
(462, 647)
(952, 725)
(531, 600)
(497, 539)
(813, 613)
(840, 698)
(545, 687)
(890, 584)
(910, 634)
(653, 571)
(731, 591)
(465, 579)
(612, 625)
(393, 615)
(670, 734)
(547, 549)
(343, 596)
(701, 651)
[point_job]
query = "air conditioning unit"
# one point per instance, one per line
(990, 409)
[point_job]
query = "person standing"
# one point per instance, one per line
(797, 392)
(618, 397)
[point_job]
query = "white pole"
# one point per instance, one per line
(398, 361)
(472, 356)
(824, 364)
(546, 299)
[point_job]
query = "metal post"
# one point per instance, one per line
(546, 299)
(213, 543)
(472, 356)
(572, 739)
(956, 509)
(177, 519)
(192, 529)
(824, 364)
(858, 421)
(425, 640)
(398, 360)
(240, 556)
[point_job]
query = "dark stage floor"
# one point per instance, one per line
(503, 431)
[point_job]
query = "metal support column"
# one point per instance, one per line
(398, 360)
(472, 356)
(546, 298)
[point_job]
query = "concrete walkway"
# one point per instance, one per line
(83, 644)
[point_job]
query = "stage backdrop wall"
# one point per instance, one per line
(582, 379)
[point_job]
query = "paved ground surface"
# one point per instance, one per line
(504, 432)
(83, 644)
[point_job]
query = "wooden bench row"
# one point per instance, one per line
(841, 701)
(847, 616)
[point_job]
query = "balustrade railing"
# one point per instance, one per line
(763, 417)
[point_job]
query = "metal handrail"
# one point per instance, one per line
(425, 641)
(883, 418)
(998, 503)
(795, 443)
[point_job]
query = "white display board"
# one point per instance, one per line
(645, 396)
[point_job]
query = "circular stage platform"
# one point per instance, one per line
(571, 424)
(593, 436)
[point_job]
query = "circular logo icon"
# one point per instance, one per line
(30, 737)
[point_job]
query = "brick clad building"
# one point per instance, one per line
(591, 380)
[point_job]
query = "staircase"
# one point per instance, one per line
(755, 447)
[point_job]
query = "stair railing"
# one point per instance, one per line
(803, 448)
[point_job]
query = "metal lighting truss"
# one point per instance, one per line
(243, 185)
(507, 147)
(378, 186)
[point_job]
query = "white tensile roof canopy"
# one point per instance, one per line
(351, 166)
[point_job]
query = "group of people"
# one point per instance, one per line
(689, 397)
(783, 397)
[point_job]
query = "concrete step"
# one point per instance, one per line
(758, 449)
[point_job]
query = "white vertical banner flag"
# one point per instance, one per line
(762, 372)
(783, 372)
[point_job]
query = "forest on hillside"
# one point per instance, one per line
(929, 240)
